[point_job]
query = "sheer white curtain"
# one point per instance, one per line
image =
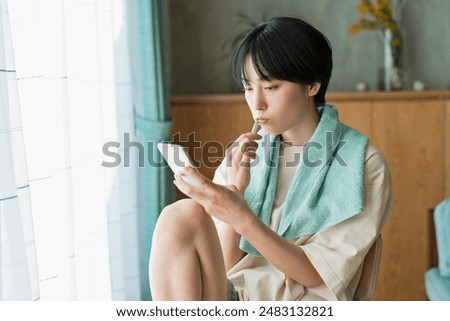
(68, 225)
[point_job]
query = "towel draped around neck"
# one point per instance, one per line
(327, 187)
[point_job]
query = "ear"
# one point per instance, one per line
(314, 89)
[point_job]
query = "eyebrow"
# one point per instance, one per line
(248, 81)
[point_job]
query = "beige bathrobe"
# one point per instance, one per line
(336, 252)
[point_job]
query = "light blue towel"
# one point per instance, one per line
(327, 187)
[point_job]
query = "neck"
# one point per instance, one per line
(301, 133)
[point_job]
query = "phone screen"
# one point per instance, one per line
(176, 156)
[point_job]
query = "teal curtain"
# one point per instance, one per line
(149, 64)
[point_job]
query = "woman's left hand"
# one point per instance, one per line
(225, 203)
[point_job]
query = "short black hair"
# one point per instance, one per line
(286, 49)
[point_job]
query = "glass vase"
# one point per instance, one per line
(390, 75)
(388, 59)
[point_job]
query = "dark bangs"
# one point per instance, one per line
(252, 47)
(285, 49)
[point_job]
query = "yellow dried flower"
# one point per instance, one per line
(378, 13)
(375, 15)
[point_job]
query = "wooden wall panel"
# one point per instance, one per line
(356, 114)
(213, 127)
(221, 124)
(447, 149)
(410, 134)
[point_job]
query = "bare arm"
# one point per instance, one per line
(229, 241)
(228, 205)
(284, 255)
(239, 177)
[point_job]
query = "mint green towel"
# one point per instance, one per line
(327, 187)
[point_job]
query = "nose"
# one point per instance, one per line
(259, 101)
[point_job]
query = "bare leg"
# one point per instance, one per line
(186, 261)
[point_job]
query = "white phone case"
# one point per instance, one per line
(177, 158)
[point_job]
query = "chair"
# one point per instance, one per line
(369, 275)
(437, 278)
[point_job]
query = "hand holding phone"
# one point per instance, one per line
(178, 158)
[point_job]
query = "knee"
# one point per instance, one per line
(185, 211)
(181, 219)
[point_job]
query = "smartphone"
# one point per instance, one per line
(177, 158)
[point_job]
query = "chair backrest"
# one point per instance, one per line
(369, 275)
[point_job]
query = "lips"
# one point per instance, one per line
(262, 120)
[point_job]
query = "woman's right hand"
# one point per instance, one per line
(239, 156)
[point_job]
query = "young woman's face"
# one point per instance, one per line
(282, 107)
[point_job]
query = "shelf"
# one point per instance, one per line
(331, 96)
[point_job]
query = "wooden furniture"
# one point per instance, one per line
(412, 129)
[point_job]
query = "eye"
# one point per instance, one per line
(271, 87)
(247, 89)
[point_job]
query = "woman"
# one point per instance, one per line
(297, 206)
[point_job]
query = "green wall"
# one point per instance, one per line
(199, 31)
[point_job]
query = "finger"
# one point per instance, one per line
(241, 156)
(196, 175)
(253, 144)
(249, 135)
(250, 153)
(253, 136)
(236, 157)
(248, 146)
(187, 189)
(230, 149)
(245, 161)
(242, 159)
